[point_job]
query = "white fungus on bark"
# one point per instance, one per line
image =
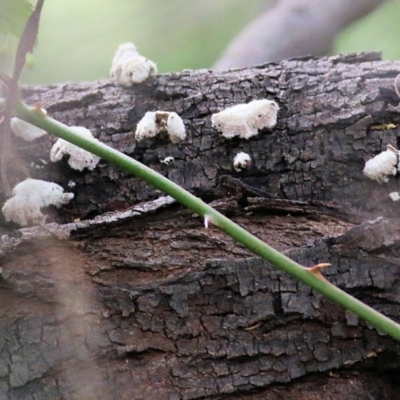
(146, 127)
(245, 120)
(154, 122)
(78, 158)
(129, 67)
(29, 197)
(167, 160)
(25, 130)
(175, 127)
(395, 196)
(241, 161)
(382, 165)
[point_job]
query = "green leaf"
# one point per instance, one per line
(13, 16)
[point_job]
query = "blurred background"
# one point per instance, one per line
(78, 38)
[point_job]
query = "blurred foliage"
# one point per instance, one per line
(13, 16)
(378, 31)
(78, 38)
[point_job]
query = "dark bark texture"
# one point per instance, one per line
(127, 296)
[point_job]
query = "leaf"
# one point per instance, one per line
(27, 42)
(13, 16)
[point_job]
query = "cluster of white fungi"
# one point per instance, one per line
(128, 68)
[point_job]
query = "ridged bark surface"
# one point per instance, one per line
(128, 296)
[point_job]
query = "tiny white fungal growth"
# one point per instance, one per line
(29, 197)
(125, 52)
(175, 127)
(241, 161)
(41, 164)
(244, 120)
(395, 196)
(382, 165)
(146, 128)
(25, 130)
(167, 160)
(154, 122)
(129, 67)
(78, 158)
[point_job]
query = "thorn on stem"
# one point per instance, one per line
(39, 108)
(316, 269)
(209, 220)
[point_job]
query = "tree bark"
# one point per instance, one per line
(127, 296)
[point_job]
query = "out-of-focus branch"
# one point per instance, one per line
(25, 45)
(291, 28)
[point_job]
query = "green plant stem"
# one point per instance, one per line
(254, 244)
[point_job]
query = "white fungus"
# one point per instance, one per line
(175, 127)
(244, 120)
(146, 128)
(382, 165)
(167, 160)
(241, 161)
(25, 130)
(154, 122)
(395, 196)
(29, 197)
(78, 158)
(129, 67)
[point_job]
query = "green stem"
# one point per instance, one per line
(198, 206)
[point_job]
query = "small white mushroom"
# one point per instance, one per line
(146, 128)
(129, 67)
(154, 122)
(244, 120)
(125, 52)
(78, 158)
(241, 161)
(382, 165)
(29, 197)
(25, 130)
(167, 160)
(395, 196)
(175, 127)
